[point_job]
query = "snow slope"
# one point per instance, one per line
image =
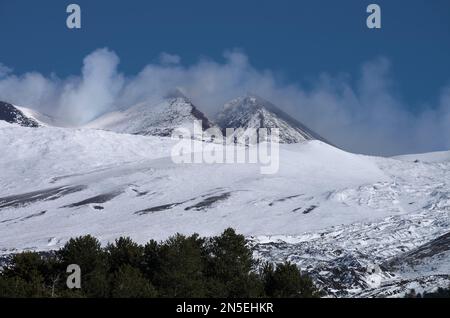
(325, 209)
(439, 156)
(104, 161)
(31, 158)
(370, 258)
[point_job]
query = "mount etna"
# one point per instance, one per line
(359, 225)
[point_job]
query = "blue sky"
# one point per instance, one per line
(296, 40)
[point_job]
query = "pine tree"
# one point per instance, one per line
(14, 287)
(286, 281)
(181, 267)
(222, 266)
(440, 293)
(129, 282)
(124, 252)
(151, 260)
(86, 252)
(23, 276)
(230, 266)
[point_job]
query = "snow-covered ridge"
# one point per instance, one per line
(43, 119)
(15, 115)
(28, 117)
(159, 118)
(439, 156)
(254, 112)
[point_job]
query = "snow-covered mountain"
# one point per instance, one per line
(344, 218)
(254, 112)
(161, 117)
(17, 115)
(28, 117)
(360, 225)
(155, 118)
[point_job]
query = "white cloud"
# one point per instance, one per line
(365, 117)
(82, 99)
(4, 70)
(166, 58)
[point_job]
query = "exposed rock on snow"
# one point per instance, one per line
(155, 118)
(254, 112)
(13, 115)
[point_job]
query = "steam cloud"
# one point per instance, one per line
(366, 117)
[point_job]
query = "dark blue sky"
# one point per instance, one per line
(299, 39)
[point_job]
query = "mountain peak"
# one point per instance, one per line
(176, 93)
(252, 111)
(159, 118)
(14, 115)
(246, 101)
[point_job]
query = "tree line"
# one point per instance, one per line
(439, 293)
(181, 266)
